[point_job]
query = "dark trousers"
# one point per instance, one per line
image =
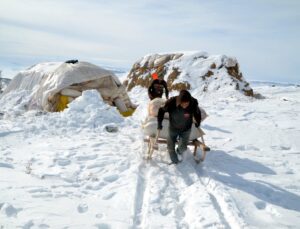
(182, 144)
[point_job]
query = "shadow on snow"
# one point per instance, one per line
(228, 169)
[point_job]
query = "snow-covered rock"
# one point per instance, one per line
(190, 70)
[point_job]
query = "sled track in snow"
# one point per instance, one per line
(225, 207)
(219, 210)
(146, 180)
(221, 201)
(140, 201)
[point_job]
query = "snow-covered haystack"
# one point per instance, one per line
(190, 70)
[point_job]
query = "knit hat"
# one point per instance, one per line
(184, 96)
(154, 76)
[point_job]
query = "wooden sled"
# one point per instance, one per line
(154, 141)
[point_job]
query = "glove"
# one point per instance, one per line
(197, 124)
(159, 126)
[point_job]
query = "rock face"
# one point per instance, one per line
(189, 71)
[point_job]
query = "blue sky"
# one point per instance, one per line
(262, 34)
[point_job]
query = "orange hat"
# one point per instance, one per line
(154, 76)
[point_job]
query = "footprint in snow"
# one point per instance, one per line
(28, 225)
(165, 211)
(123, 166)
(9, 210)
(38, 190)
(277, 147)
(285, 147)
(60, 195)
(97, 164)
(260, 205)
(96, 145)
(109, 196)
(111, 178)
(246, 147)
(102, 226)
(99, 215)
(43, 226)
(43, 195)
(82, 208)
(290, 171)
(87, 158)
(96, 186)
(6, 165)
(63, 162)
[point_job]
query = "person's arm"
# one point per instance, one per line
(150, 89)
(197, 115)
(161, 113)
(160, 117)
(166, 89)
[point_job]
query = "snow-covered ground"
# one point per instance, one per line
(64, 170)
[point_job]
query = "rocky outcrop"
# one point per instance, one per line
(189, 71)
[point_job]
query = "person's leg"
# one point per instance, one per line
(183, 141)
(171, 141)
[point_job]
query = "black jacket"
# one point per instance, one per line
(179, 118)
(157, 88)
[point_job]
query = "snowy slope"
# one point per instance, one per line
(64, 170)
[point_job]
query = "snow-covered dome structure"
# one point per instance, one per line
(53, 85)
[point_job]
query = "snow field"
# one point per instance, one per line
(65, 170)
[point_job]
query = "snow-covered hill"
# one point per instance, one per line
(65, 170)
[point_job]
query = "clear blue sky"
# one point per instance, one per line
(264, 35)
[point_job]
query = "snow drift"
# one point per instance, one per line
(87, 112)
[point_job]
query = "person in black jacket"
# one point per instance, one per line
(157, 88)
(182, 109)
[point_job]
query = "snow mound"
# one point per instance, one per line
(192, 71)
(89, 110)
(15, 103)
